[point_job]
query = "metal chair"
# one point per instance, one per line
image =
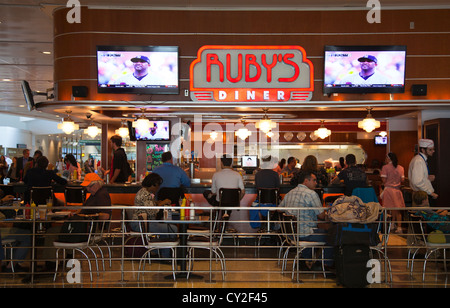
(431, 247)
(9, 244)
(415, 239)
(98, 239)
(152, 241)
(211, 241)
(79, 246)
(292, 240)
(384, 229)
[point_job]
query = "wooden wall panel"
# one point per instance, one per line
(402, 144)
(428, 43)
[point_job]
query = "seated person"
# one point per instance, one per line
(225, 178)
(18, 232)
(304, 196)
(436, 220)
(146, 197)
(39, 176)
(352, 175)
(99, 196)
(289, 170)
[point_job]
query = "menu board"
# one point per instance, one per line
(154, 152)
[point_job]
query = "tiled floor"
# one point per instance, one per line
(245, 269)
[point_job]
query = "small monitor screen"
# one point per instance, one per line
(364, 69)
(249, 161)
(137, 69)
(380, 140)
(158, 131)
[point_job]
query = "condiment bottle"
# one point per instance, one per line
(183, 204)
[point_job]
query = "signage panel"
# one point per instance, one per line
(251, 73)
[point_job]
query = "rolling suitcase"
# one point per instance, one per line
(351, 265)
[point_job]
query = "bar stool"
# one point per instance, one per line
(74, 195)
(40, 195)
(228, 197)
(172, 193)
(267, 197)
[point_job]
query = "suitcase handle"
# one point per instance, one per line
(350, 228)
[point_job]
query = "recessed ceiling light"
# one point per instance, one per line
(47, 52)
(22, 106)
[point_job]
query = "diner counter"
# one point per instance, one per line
(124, 194)
(198, 188)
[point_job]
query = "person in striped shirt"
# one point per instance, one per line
(301, 197)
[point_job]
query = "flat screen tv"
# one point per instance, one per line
(380, 140)
(158, 131)
(249, 161)
(364, 69)
(28, 95)
(137, 69)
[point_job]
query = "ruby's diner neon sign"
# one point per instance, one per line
(251, 73)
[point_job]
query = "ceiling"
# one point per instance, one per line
(26, 32)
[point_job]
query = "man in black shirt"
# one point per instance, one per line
(120, 168)
(39, 176)
(352, 175)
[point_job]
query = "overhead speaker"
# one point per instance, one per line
(419, 89)
(79, 91)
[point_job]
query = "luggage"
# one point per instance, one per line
(350, 262)
(353, 233)
(352, 243)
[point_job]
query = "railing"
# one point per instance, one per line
(250, 257)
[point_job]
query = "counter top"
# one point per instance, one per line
(197, 188)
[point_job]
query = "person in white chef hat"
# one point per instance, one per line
(419, 175)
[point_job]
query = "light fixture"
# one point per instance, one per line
(243, 133)
(122, 131)
(212, 136)
(383, 134)
(322, 132)
(265, 124)
(369, 123)
(301, 136)
(92, 130)
(68, 126)
(142, 123)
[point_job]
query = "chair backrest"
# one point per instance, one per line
(172, 193)
(102, 225)
(289, 227)
(366, 194)
(415, 223)
(40, 195)
(75, 195)
(384, 226)
(229, 197)
(268, 195)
